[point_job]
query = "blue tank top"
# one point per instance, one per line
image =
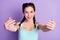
(27, 35)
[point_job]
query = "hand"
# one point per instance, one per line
(10, 24)
(50, 24)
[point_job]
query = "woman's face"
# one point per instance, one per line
(29, 13)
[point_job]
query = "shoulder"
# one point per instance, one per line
(39, 25)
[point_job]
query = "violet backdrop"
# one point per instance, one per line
(45, 10)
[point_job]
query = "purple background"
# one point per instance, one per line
(45, 10)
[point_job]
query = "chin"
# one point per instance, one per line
(29, 19)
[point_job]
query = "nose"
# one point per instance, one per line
(28, 14)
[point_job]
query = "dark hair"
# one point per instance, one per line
(23, 7)
(27, 5)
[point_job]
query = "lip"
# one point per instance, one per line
(29, 17)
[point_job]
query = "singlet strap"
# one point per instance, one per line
(36, 25)
(21, 26)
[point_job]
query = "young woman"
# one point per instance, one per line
(28, 27)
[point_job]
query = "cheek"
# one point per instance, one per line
(32, 15)
(26, 15)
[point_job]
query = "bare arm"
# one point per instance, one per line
(50, 25)
(11, 25)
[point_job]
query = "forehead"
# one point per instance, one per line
(29, 8)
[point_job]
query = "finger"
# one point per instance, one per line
(50, 25)
(51, 22)
(11, 22)
(8, 19)
(8, 23)
(50, 28)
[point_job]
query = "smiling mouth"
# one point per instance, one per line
(29, 17)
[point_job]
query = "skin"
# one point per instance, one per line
(29, 13)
